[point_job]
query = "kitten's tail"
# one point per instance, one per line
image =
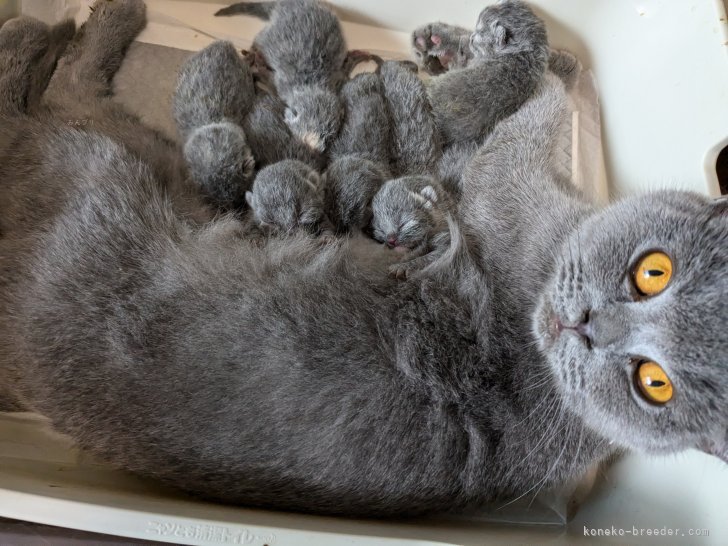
(261, 10)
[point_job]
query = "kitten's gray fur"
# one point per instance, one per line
(366, 128)
(439, 47)
(350, 184)
(286, 198)
(413, 134)
(409, 216)
(214, 94)
(510, 55)
(304, 46)
(270, 139)
(452, 165)
(300, 377)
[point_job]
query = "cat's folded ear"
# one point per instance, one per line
(500, 34)
(314, 180)
(720, 207)
(717, 446)
(250, 199)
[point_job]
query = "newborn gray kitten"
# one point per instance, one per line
(349, 185)
(270, 138)
(301, 378)
(439, 47)
(510, 52)
(215, 92)
(286, 197)
(413, 134)
(409, 216)
(304, 46)
(366, 129)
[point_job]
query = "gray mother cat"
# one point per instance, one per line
(295, 377)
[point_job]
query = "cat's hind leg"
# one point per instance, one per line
(95, 55)
(23, 44)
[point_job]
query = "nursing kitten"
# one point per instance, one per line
(349, 184)
(305, 48)
(214, 94)
(295, 377)
(286, 197)
(269, 137)
(439, 47)
(510, 53)
(366, 129)
(409, 216)
(413, 134)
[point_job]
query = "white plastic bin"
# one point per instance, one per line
(662, 72)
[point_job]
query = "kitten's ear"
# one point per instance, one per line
(314, 180)
(717, 447)
(500, 34)
(429, 193)
(250, 199)
(720, 207)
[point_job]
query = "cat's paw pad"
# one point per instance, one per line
(436, 46)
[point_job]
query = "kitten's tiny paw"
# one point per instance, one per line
(565, 65)
(327, 238)
(437, 46)
(399, 272)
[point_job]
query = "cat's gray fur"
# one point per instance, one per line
(413, 135)
(349, 184)
(510, 52)
(299, 377)
(214, 94)
(286, 197)
(304, 46)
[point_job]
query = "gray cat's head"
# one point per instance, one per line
(633, 323)
(286, 197)
(508, 27)
(404, 212)
(314, 115)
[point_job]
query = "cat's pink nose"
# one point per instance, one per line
(391, 241)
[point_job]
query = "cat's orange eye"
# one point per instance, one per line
(653, 383)
(652, 274)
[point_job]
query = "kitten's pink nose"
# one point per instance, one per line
(391, 241)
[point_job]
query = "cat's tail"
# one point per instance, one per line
(261, 10)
